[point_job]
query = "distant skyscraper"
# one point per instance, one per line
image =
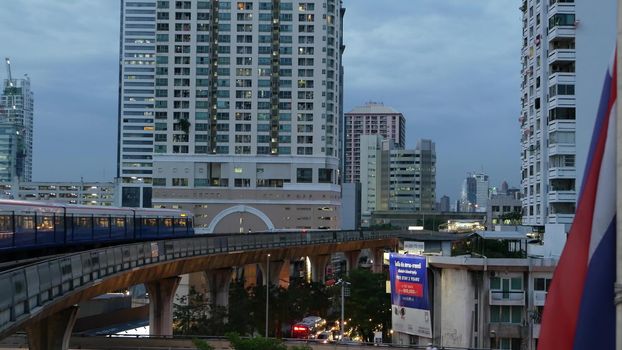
(444, 204)
(396, 179)
(16, 129)
(504, 187)
(233, 110)
(548, 112)
(475, 193)
(370, 119)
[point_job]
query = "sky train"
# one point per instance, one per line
(25, 224)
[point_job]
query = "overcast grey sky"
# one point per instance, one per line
(451, 66)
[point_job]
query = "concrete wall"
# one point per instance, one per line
(457, 295)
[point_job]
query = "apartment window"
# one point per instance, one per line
(304, 175)
(325, 175)
(561, 19)
(180, 182)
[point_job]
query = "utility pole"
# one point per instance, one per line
(267, 290)
(343, 298)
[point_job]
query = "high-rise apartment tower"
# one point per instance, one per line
(370, 119)
(548, 112)
(234, 110)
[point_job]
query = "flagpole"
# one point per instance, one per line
(618, 77)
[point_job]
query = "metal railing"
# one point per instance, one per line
(26, 290)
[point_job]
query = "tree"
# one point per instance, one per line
(190, 313)
(369, 306)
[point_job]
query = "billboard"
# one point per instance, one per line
(409, 295)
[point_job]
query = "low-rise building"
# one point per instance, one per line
(83, 193)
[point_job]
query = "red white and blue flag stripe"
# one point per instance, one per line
(579, 312)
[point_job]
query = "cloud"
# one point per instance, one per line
(452, 68)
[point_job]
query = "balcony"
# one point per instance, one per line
(560, 218)
(562, 78)
(562, 125)
(561, 7)
(499, 297)
(562, 32)
(539, 296)
(562, 173)
(562, 196)
(562, 55)
(561, 148)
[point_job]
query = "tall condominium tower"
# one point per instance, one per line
(232, 109)
(548, 112)
(16, 129)
(370, 119)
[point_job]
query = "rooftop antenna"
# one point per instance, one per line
(8, 69)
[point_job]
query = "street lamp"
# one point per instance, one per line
(342, 283)
(267, 290)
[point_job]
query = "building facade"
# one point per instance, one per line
(16, 129)
(243, 119)
(374, 168)
(475, 193)
(83, 193)
(412, 181)
(370, 119)
(548, 113)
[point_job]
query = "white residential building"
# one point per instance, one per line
(240, 114)
(548, 114)
(412, 182)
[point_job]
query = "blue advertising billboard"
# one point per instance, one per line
(409, 294)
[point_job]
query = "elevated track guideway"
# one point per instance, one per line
(40, 297)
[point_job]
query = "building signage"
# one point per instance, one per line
(409, 295)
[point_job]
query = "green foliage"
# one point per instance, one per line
(247, 308)
(300, 347)
(202, 344)
(193, 315)
(258, 343)
(369, 306)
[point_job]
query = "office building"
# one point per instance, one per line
(16, 128)
(370, 119)
(412, 182)
(240, 113)
(548, 113)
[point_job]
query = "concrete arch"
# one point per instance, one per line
(240, 209)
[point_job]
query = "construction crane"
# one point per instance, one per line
(8, 69)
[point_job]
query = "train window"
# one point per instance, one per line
(25, 222)
(167, 222)
(102, 222)
(150, 222)
(6, 225)
(82, 222)
(45, 223)
(120, 222)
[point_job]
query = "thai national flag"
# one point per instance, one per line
(579, 312)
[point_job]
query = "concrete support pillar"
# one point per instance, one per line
(318, 267)
(352, 260)
(52, 332)
(161, 294)
(276, 266)
(218, 282)
(378, 257)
